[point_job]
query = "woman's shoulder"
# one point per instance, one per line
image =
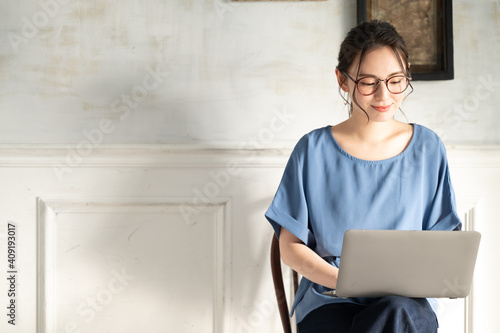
(316, 136)
(428, 141)
(314, 142)
(426, 132)
(426, 135)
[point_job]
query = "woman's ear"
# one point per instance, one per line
(342, 80)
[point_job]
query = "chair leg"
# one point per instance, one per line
(278, 285)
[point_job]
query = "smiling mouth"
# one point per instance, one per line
(384, 108)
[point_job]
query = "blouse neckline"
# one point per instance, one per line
(387, 160)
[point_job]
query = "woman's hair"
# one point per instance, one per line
(366, 37)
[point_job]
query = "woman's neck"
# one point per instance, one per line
(370, 131)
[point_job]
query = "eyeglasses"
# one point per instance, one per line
(368, 85)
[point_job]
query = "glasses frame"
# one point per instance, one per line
(386, 81)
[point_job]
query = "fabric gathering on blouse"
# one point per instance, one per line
(325, 191)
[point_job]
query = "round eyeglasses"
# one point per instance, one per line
(368, 85)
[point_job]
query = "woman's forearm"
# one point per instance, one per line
(305, 261)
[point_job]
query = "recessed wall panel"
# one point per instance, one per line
(127, 267)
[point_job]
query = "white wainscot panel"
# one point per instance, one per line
(455, 315)
(137, 266)
(144, 264)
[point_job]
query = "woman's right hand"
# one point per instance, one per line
(305, 261)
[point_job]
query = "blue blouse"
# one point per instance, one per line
(325, 191)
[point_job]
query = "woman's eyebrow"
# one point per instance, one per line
(371, 75)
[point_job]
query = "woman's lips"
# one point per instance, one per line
(383, 108)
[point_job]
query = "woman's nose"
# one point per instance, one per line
(382, 91)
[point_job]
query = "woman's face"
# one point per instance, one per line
(382, 105)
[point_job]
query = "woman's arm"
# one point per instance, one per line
(305, 261)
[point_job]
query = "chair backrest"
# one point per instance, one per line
(278, 285)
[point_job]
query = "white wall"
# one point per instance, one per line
(229, 65)
(205, 77)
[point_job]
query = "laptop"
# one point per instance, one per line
(435, 264)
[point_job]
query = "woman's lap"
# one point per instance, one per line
(384, 315)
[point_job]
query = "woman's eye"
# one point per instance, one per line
(396, 80)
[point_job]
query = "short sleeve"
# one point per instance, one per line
(289, 207)
(442, 214)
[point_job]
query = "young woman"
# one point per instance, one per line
(368, 172)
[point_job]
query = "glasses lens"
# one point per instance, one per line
(367, 85)
(397, 84)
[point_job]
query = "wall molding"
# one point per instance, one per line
(474, 156)
(74, 156)
(469, 205)
(139, 156)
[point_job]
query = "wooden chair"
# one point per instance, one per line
(279, 287)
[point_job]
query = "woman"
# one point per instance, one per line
(368, 172)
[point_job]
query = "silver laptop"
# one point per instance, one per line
(435, 264)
